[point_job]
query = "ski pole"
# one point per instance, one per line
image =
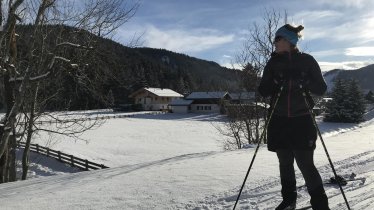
(258, 144)
(324, 147)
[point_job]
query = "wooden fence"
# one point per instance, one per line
(73, 161)
(75, 120)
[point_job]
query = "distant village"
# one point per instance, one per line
(158, 99)
(167, 100)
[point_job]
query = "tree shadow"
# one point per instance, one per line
(189, 116)
(41, 165)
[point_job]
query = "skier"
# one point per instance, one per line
(291, 132)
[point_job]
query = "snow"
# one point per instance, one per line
(164, 92)
(176, 161)
(330, 78)
(207, 95)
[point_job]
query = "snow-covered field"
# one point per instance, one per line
(171, 161)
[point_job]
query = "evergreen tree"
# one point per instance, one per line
(370, 97)
(347, 104)
(356, 105)
(334, 107)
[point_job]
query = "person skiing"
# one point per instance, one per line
(291, 133)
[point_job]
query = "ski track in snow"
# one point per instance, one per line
(262, 191)
(267, 192)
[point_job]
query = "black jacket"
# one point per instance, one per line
(290, 70)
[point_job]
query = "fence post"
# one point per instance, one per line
(72, 160)
(86, 165)
(47, 152)
(59, 155)
(37, 148)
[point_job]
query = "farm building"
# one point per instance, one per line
(154, 99)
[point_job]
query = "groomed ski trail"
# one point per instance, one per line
(265, 194)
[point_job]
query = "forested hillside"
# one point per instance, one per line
(364, 76)
(113, 71)
(116, 71)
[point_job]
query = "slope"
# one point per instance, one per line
(207, 179)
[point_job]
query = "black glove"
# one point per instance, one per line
(302, 84)
(278, 79)
(301, 80)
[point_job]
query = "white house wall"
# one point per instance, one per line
(155, 107)
(205, 108)
(179, 109)
(151, 102)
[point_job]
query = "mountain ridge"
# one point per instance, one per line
(363, 75)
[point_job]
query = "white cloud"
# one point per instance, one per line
(326, 53)
(346, 3)
(360, 51)
(347, 65)
(317, 15)
(315, 22)
(337, 25)
(228, 62)
(231, 65)
(194, 40)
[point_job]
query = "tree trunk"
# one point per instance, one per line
(26, 151)
(12, 158)
(3, 164)
(5, 134)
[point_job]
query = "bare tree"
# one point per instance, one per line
(232, 130)
(252, 58)
(62, 41)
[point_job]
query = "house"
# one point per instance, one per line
(154, 99)
(242, 97)
(180, 105)
(244, 103)
(251, 110)
(208, 102)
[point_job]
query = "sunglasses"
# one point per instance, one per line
(277, 39)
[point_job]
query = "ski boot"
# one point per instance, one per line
(318, 199)
(286, 205)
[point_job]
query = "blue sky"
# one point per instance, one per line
(339, 34)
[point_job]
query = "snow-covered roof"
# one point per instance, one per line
(260, 104)
(242, 95)
(180, 102)
(207, 95)
(162, 92)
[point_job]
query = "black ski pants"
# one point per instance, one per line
(304, 160)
